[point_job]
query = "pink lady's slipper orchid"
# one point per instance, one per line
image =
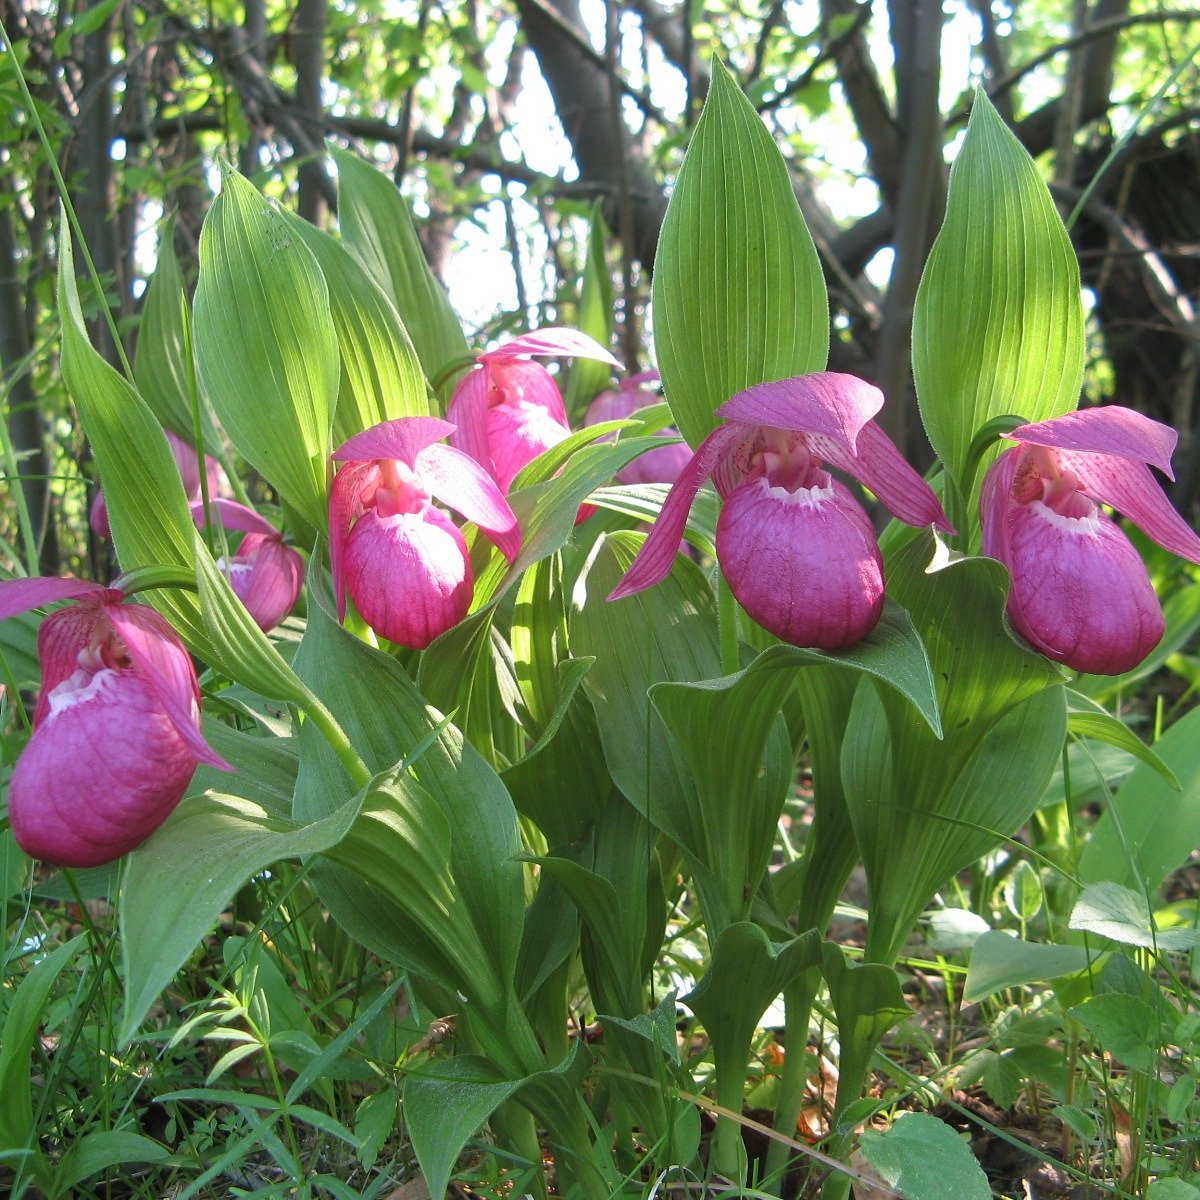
(796, 547)
(402, 560)
(508, 409)
(1080, 592)
(265, 574)
(116, 733)
(189, 472)
(663, 465)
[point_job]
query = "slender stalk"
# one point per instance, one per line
(798, 999)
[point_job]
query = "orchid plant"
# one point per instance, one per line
(656, 687)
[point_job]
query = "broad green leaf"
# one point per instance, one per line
(1023, 893)
(1085, 718)
(266, 766)
(20, 1028)
(1123, 1026)
(738, 293)
(1004, 718)
(161, 368)
(381, 376)
(147, 508)
(924, 1159)
(1159, 825)
(266, 346)
(388, 721)
(999, 962)
(177, 882)
(103, 1149)
(1171, 1188)
(998, 326)
(377, 229)
(593, 316)
(1120, 914)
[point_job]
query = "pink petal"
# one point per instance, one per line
(525, 384)
(460, 482)
(657, 555)
(403, 438)
(995, 499)
(827, 403)
(556, 342)
(518, 431)
(271, 576)
(1130, 488)
(664, 465)
(99, 775)
(409, 574)
(187, 461)
(883, 469)
(98, 518)
(805, 565)
(20, 595)
(642, 378)
(61, 637)
(468, 413)
(158, 653)
(1080, 591)
(1111, 430)
(237, 518)
(344, 506)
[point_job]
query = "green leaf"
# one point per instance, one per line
(177, 882)
(999, 961)
(738, 293)
(593, 316)
(103, 1149)
(998, 326)
(1160, 825)
(266, 346)
(1124, 1026)
(1085, 718)
(1023, 891)
(1120, 914)
(93, 18)
(19, 1030)
(377, 229)
(381, 376)
(161, 368)
(1172, 1189)
(924, 1159)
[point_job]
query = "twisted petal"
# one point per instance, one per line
(237, 518)
(654, 560)
(160, 656)
(458, 481)
(404, 438)
(805, 565)
(1080, 591)
(553, 341)
(468, 414)
(100, 775)
(269, 580)
(20, 595)
(409, 574)
(344, 506)
(995, 499)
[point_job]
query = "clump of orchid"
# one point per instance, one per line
(1080, 591)
(508, 409)
(797, 549)
(116, 732)
(398, 556)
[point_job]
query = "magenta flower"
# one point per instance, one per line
(1080, 592)
(185, 460)
(508, 409)
(403, 560)
(796, 547)
(265, 574)
(663, 465)
(116, 733)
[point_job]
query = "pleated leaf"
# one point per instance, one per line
(998, 326)
(738, 295)
(593, 316)
(377, 228)
(381, 376)
(266, 345)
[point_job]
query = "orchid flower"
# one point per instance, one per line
(797, 549)
(403, 560)
(116, 733)
(663, 465)
(189, 472)
(1080, 592)
(508, 409)
(265, 574)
